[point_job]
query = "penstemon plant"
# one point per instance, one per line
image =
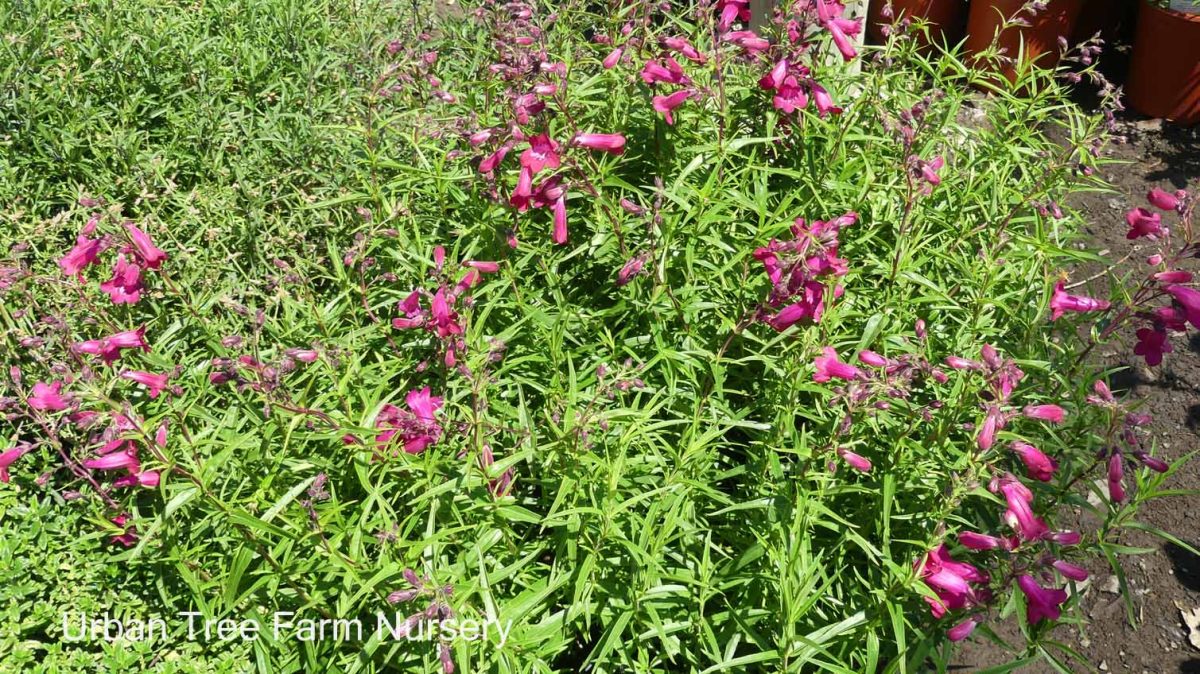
(658, 343)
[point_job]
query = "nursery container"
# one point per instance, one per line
(1040, 39)
(946, 18)
(1164, 73)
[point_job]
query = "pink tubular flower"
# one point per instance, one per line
(1143, 223)
(633, 267)
(1072, 571)
(809, 307)
(125, 286)
(560, 219)
(1052, 413)
(670, 73)
(151, 256)
(1189, 299)
(975, 541)
(929, 170)
(123, 460)
(950, 580)
(1041, 603)
(853, 460)
(829, 14)
(501, 486)
(83, 254)
(417, 427)
(493, 160)
(748, 40)
(1175, 276)
(606, 142)
(613, 58)
(154, 382)
(1019, 516)
(1153, 463)
(541, 154)
(1037, 465)
(829, 367)
(1152, 344)
(681, 45)
(823, 101)
(128, 537)
(872, 359)
(1162, 200)
(483, 267)
(1062, 302)
(962, 363)
(109, 349)
(665, 105)
(47, 397)
(1116, 473)
(992, 423)
(8, 458)
(962, 630)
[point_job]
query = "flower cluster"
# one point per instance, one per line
(440, 317)
(797, 269)
(136, 253)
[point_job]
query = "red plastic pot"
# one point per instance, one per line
(946, 18)
(1164, 73)
(1040, 38)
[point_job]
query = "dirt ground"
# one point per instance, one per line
(1167, 581)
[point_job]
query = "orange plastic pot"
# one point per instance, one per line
(1040, 38)
(946, 18)
(1164, 73)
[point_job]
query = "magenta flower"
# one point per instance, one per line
(809, 307)
(664, 105)
(1116, 473)
(47, 397)
(125, 286)
(1037, 465)
(1052, 413)
(633, 267)
(655, 72)
(541, 154)
(976, 541)
(824, 101)
(303, 355)
(1062, 302)
(613, 58)
(1152, 344)
(1041, 603)
(731, 11)
(829, 14)
(417, 426)
(128, 536)
(606, 142)
(853, 460)
(123, 460)
(152, 257)
(872, 359)
(929, 170)
(1189, 299)
(962, 630)
(501, 486)
(1162, 200)
(8, 458)
(560, 219)
(992, 423)
(950, 580)
(1071, 571)
(962, 363)
(493, 160)
(681, 45)
(109, 349)
(1019, 516)
(83, 254)
(748, 40)
(154, 382)
(829, 367)
(1143, 223)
